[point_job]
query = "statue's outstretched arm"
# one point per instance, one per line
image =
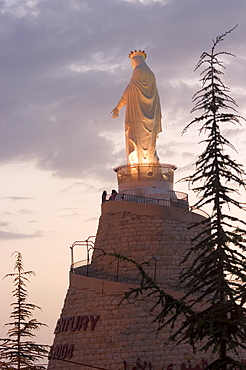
(121, 104)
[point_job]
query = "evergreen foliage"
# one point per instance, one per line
(217, 273)
(216, 276)
(18, 351)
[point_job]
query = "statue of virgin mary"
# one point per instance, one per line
(143, 112)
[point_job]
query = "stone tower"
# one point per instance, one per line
(147, 222)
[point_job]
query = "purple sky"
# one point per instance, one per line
(63, 67)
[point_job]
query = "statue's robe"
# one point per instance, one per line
(143, 115)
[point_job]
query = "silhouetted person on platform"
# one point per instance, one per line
(113, 195)
(104, 196)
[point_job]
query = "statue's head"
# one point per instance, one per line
(140, 53)
(137, 58)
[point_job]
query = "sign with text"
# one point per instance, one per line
(74, 323)
(61, 351)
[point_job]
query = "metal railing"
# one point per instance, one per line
(89, 244)
(84, 269)
(145, 172)
(176, 199)
(124, 279)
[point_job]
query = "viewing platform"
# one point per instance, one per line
(150, 180)
(172, 199)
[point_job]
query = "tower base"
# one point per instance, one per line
(94, 330)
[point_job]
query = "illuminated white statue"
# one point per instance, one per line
(143, 112)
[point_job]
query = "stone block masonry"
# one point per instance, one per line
(160, 239)
(122, 336)
(94, 331)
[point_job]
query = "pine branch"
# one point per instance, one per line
(16, 350)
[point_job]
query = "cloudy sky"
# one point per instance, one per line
(63, 67)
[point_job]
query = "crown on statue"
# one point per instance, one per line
(136, 53)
